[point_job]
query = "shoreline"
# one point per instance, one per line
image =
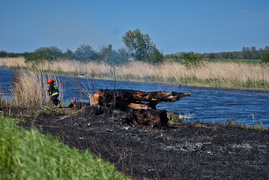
(191, 82)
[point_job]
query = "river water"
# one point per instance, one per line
(204, 105)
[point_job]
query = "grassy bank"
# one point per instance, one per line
(219, 74)
(28, 154)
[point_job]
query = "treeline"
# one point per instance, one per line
(6, 54)
(139, 47)
(106, 54)
(245, 53)
(83, 53)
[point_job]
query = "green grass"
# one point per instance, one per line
(255, 126)
(173, 118)
(28, 154)
(216, 83)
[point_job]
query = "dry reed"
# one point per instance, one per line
(229, 74)
(30, 89)
(13, 62)
(226, 74)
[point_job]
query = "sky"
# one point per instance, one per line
(201, 26)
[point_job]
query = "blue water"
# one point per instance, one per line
(6, 80)
(204, 105)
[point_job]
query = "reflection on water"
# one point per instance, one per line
(205, 104)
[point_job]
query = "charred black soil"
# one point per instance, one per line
(182, 151)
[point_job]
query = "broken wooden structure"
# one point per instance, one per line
(140, 107)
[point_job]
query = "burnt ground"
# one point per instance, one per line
(182, 151)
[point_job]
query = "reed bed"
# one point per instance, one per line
(72, 66)
(212, 74)
(30, 89)
(13, 62)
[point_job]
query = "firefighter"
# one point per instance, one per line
(54, 93)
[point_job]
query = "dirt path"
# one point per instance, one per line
(186, 151)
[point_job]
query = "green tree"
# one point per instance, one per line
(3, 54)
(119, 57)
(179, 55)
(105, 53)
(69, 54)
(211, 56)
(141, 46)
(246, 53)
(170, 56)
(254, 53)
(85, 53)
(229, 55)
(192, 59)
(265, 57)
(260, 53)
(155, 56)
(12, 55)
(266, 49)
(43, 54)
(138, 43)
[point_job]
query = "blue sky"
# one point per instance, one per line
(202, 26)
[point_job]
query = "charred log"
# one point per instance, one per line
(132, 99)
(140, 107)
(149, 117)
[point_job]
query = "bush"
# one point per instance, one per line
(6, 54)
(155, 56)
(69, 54)
(191, 58)
(85, 53)
(3, 54)
(43, 54)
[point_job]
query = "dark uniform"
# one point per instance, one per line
(54, 94)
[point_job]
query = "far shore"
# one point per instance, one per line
(227, 75)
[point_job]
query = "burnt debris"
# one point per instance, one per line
(139, 107)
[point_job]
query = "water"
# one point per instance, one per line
(6, 79)
(204, 105)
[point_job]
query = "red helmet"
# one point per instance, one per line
(50, 81)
